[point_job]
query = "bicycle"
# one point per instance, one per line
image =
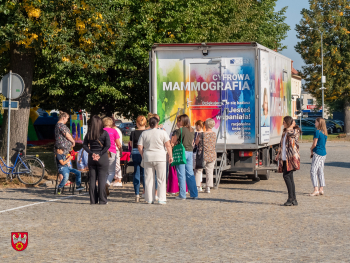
(29, 170)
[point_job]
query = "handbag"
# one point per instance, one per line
(179, 153)
(200, 156)
(108, 152)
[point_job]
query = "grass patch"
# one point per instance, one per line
(126, 139)
(331, 137)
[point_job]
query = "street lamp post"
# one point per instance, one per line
(323, 78)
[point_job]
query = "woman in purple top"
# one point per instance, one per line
(115, 143)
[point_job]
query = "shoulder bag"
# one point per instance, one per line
(200, 155)
(179, 153)
(108, 152)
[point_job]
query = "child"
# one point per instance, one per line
(64, 169)
(82, 160)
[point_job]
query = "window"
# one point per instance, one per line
(310, 102)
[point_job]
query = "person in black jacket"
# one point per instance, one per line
(99, 142)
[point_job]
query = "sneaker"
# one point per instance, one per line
(119, 184)
(179, 198)
(295, 202)
(137, 199)
(199, 189)
(162, 202)
(157, 198)
(207, 190)
(288, 203)
(80, 188)
(59, 191)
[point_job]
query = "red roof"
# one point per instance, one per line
(294, 71)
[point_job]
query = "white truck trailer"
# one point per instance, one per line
(244, 87)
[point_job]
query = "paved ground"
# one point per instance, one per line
(241, 222)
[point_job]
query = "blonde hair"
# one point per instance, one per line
(63, 115)
(107, 122)
(209, 123)
(141, 120)
(322, 125)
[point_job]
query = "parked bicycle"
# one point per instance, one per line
(29, 170)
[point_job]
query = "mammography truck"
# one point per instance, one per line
(244, 87)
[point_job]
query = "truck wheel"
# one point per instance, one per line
(256, 179)
(264, 175)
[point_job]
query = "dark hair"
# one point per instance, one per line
(153, 122)
(59, 147)
(186, 122)
(289, 121)
(95, 129)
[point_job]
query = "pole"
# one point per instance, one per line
(322, 75)
(9, 121)
(301, 113)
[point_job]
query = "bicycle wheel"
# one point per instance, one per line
(30, 171)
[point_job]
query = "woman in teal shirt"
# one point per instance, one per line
(318, 155)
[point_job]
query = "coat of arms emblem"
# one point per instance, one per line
(19, 240)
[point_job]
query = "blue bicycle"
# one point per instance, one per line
(29, 170)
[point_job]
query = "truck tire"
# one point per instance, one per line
(264, 175)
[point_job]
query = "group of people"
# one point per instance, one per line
(152, 157)
(288, 157)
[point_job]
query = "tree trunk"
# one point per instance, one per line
(347, 116)
(22, 64)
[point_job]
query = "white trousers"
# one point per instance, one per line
(118, 169)
(150, 187)
(316, 172)
(209, 170)
(111, 168)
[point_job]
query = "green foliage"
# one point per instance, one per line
(191, 21)
(95, 54)
(331, 17)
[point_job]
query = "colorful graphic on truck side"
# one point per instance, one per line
(203, 88)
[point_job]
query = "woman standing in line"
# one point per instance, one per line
(118, 170)
(208, 144)
(288, 156)
(136, 156)
(62, 133)
(99, 142)
(151, 147)
(185, 171)
(318, 154)
(198, 173)
(115, 146)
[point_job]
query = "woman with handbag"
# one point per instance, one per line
(183, 141)
(99, 142)
(198, 173)
(288, 157)
(136, 156)
(115, 146)
(151, 147)
(206, 153)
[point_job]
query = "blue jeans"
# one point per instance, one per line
(185, 174)
(65, 172)
(138, 171)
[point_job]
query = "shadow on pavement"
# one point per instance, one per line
(44, 194)
(338, 164)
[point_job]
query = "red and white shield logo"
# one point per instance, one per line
(19, 240)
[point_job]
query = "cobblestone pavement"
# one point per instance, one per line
(241, 222)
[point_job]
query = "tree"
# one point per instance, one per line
(190, 21)
(74, 35)
(331, 17)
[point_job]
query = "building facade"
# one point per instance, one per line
(296, 90)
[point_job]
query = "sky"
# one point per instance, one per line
(293, 17)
